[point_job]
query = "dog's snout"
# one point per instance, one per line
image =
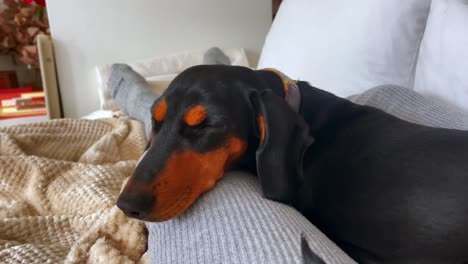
(135, 205)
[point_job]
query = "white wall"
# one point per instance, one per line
(94, 32)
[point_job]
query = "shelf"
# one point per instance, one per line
(22, 120)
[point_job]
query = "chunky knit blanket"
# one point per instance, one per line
(59, 181)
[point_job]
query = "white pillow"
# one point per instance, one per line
(442, 69)
(160, 71)
(346, 47)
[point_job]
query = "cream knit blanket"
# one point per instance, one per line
(59, 181)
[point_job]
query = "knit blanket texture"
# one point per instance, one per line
(59, 181)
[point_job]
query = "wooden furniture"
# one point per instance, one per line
(49, 76)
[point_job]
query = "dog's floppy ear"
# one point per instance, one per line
(284, 137)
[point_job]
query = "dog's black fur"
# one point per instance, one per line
(383, 189)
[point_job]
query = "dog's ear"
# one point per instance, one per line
(284, 137)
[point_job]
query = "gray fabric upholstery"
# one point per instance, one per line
(411, 106)
(234, 224)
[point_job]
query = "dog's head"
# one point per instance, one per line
(210, 119)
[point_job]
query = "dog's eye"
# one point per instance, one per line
(196, 130)
(201, 126)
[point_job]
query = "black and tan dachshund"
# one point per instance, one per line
(383, 189)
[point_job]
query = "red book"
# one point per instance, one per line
(17, 90)
(38, 99)
(9, 96)
(14, 93)
(28, 103)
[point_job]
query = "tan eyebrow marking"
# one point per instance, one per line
(160, 111)
(195, 116)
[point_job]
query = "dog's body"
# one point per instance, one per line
(385, 190)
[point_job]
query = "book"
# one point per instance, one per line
(11, 113)
(11, 99)
(8, 94)
(32, 94)
(8, 102)
(22, 102)
(28, 103)
(16, 90)
(13, 110)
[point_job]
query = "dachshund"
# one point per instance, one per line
(383, 189)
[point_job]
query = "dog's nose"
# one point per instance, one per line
(135, 205)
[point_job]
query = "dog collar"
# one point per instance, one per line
(291, 89)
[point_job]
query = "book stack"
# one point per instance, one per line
(22, 102)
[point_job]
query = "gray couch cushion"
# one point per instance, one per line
(413, 107)
(234, 224)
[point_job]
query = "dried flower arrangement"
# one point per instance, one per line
(20, 23)
(275, 5)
